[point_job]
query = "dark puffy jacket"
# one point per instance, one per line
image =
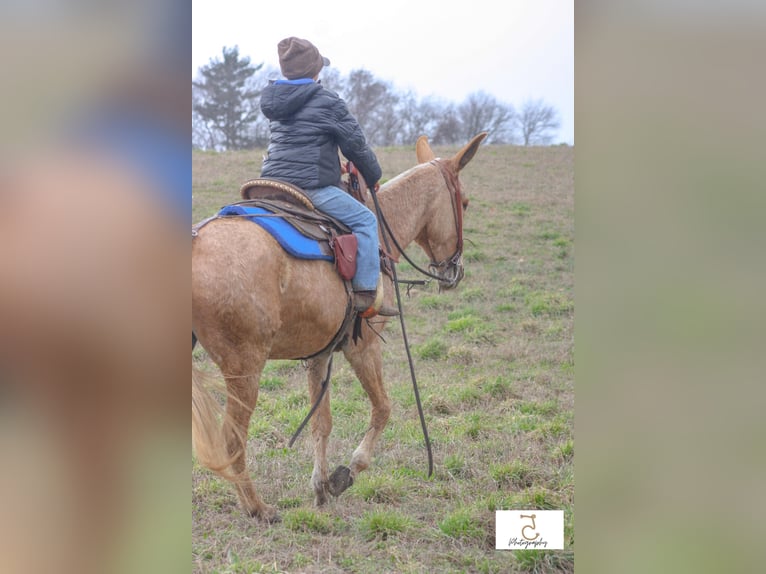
(308, 124)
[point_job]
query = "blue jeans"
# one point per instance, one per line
(337, 203)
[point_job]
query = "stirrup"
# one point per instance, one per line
(377, 307)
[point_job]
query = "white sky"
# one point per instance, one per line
(513, 50)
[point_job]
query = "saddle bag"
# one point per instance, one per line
(344, 248)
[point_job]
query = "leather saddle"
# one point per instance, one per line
(290, 202)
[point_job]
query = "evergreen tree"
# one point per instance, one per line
(227, 102)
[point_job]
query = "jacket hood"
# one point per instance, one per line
(280, 101)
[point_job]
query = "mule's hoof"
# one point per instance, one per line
(340, 480)
(320, 496)
(269, 515)
(274, 518)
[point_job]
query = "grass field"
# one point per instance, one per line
(495, 365)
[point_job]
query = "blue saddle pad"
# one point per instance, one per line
(291, 240)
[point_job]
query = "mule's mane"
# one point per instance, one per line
(402, 175)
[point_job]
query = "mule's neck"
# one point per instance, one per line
(407, 202)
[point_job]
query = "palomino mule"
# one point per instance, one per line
(252, 302)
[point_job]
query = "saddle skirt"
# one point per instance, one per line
(281, 228)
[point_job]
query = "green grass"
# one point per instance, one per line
(431, 302)
(382, 524)
(544, 303)
(495, 368)
(544, 561)
(455, 465)
(381, 489)
(516, 474)
(520, 209)
(565, 450)
(272, 383)
(305, 520)
(435, 348)
(461, 524)
(462, 324)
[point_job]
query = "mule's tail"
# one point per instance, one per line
(208, 423)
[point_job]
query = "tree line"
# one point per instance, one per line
(226, 113)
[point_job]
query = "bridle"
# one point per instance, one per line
(456, 198)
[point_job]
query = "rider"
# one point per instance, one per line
(308, 124)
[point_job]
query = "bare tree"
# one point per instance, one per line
(225, 103)
(482, 112)
(537, 122)
(448, 127)
(418, 118)
(374, 104)
(332, 80)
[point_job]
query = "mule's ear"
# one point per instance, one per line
(423, 150)
(466, 154)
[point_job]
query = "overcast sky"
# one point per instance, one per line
(513, 50)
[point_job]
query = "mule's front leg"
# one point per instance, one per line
(321, 426)
(368, 365)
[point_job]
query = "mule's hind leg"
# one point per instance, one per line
(367, 362)
(321, 425)
(243, 395)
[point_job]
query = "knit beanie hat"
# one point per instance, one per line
(300, 59)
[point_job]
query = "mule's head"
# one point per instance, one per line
(442, 237)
